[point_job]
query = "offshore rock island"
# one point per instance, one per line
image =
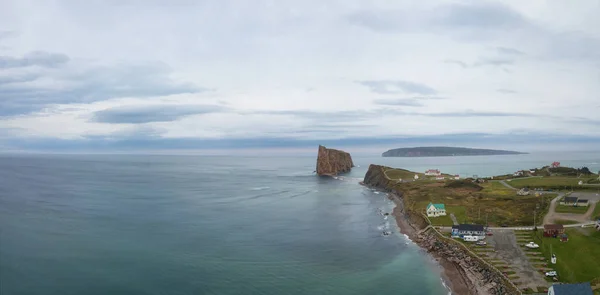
(333, 162)
(443, 151)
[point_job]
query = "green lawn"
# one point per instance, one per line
(459, 212)
(402, 174)
(571, 209)
(596, 214)
(577, 259)
(551, 182)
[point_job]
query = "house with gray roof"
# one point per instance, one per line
(571, 289)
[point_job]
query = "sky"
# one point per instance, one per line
(185, 75)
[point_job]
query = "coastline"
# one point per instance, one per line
(452, 274)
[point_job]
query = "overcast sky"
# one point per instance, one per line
(210, 74)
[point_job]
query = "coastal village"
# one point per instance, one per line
(538, 227)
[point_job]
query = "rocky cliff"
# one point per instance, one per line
(332, 162)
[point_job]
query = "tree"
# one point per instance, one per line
(585, 170)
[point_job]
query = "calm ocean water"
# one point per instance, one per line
(123, 224)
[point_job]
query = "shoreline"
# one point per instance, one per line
(452, 275)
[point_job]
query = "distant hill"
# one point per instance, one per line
(444, 151)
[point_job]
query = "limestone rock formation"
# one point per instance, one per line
(332, 162)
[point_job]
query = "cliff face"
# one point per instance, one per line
(375, 177)
(332, 162)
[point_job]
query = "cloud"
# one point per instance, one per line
(480, 15)
(411, 102)
(457, 62)
(397, 86)
(471, 113)
(148, 142)
(39, 89)
(154, 113)
(506, 91)
(494, 61)
(509, 51)
(36, 58)
(476, 20)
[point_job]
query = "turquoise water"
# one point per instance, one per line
(212, 225)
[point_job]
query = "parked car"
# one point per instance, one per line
(490, 233)
(532, 245)
(481, 243)
(551, 273)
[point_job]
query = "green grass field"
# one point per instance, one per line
(576, 259)
(551, 182)
(596, 214)
(571, 209)
(402, 174)
(459, 212)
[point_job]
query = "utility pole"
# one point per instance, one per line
(534, 212)
(479, 215)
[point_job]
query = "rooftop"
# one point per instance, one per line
(553, 226)
(437, 206)
(468, 227)
(572, 289)
(570, 199)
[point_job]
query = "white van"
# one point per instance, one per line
(471, 238)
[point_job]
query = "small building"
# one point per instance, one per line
(564, 238)
(440, 177)
(456, 177)
(555, 164)
(433, 172)
(518, 173)
(523, 192)
(569, 201)
(582, 203)
(435, 210)
(571, 289)
(532, 171)
(553, 230)
(580, 182)
(416, 177)
(461, 230)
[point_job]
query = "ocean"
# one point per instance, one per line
(141, 224)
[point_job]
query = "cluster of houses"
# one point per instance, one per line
(438, 175)
(574, 202)
(523, 172)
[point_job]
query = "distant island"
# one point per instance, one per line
(444, 151)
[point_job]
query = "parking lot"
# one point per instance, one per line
(505, 249)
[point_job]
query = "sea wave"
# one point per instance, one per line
(260, 188)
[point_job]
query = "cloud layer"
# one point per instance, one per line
(216, 74)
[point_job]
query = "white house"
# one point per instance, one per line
(435, 210)
(518, 173)
(457, 177)
(416, 176)
(433, 172)
(440, 177)
(571, 289)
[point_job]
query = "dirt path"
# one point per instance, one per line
(507, 185)
(507, 250)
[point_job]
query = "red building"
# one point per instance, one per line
(555, 164)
